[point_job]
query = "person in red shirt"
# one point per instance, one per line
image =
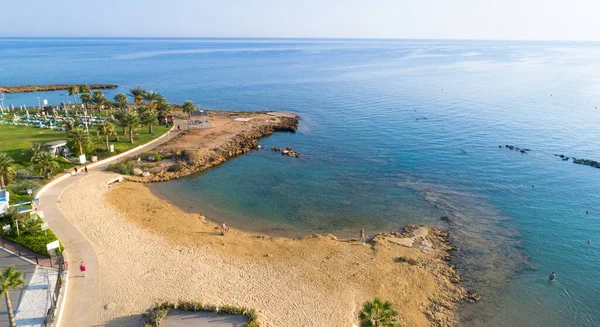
(82, 268)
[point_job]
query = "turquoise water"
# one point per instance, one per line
(391, 132)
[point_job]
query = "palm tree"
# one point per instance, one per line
(163, 108)
(106, 129)
(152, 99)
(44, 162)
(84, 89)
(130, 120)
(188, 108)
(378, 313)
(119, 118)
(10, 279)
(7, 168)
(120, 100)
(137, 93)
(85, 98)
(79, 140)
(98, 98)
(148, 118)
(70, 124)
(109, 104)
(73, 90)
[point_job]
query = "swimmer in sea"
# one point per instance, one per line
(553, 276)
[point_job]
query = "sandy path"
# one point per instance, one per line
(155, 252)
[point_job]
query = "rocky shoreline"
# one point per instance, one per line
(54, 87)
(190, 161)
(436, 243)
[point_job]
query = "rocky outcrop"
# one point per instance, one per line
(440, 310)
(512, 147)
(587, 162)
(54, 87)
(288, 151)
(194, 161)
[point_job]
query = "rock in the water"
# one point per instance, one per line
(274, 148)
(137, 172)
(472, 297)
(511, 147)
(587, 162)
(445, 218)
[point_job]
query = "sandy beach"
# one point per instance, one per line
(150, 250)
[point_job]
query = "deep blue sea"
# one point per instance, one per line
(392, 132)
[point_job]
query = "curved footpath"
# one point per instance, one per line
(81, 293)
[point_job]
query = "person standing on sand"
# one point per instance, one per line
(362, 236)
(224, 229)
(82, 268)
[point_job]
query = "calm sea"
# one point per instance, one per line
(392, 132)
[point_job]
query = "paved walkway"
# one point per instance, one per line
(28, 269)
(177, 318)
(35, 301)
(83, 292)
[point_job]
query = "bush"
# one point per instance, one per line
(157, 156)
(32, 236)
(174, 168)
(21, 187)
(123, 168)
(160, 311)
(23, 173)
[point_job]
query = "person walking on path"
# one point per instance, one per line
(362, 236)
(85, 169)
(75, 169)
(82, 268)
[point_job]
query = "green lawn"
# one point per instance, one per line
(14, 140)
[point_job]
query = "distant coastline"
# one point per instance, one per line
(53, 87)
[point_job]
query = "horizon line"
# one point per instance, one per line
(296, 38)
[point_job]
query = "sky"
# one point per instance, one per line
(577, 20)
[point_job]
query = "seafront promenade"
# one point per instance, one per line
(81, 292)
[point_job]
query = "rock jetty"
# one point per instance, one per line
(54, 87)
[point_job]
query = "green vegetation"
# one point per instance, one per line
(120, 100)
(137, 93)
(79, 141)
(123, 168)
(157, 156)
(10, 279)
(160, 311)
(188, 108)
(107, 129)
(30, 234)
(7, 169)
(16, 140)
(44, 163)
(378, 313)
